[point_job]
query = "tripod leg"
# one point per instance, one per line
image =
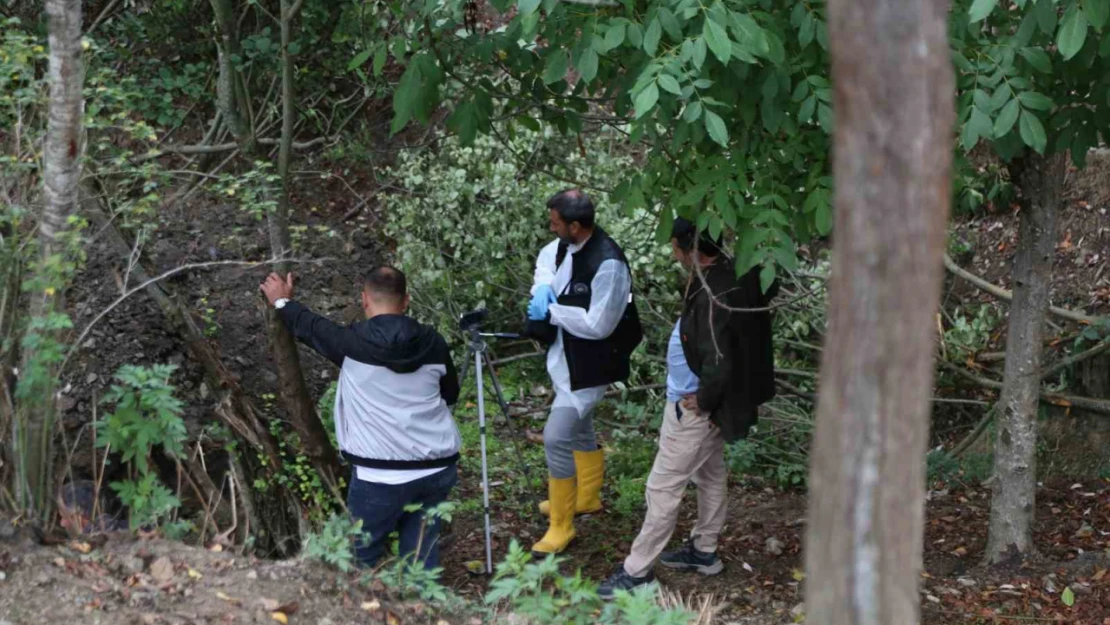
(485, 465)
(515, 438)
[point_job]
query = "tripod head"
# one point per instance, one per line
(471, 323)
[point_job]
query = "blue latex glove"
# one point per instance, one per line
(541, 300)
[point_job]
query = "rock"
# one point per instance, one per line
(798, 610)
(91, 378)
(1049, 585)
(774, 546)
(1085, 532)
(3, 576)
(252, 574)
(89, 344)
(7, 530)
(203, 390)
(162, 569)
(967, 583)
(325, 621)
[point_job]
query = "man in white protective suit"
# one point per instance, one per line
(582, 309)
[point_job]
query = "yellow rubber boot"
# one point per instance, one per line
(563, 494)
(590, 469)
(590, 466)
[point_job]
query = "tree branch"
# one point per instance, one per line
(1003, 294)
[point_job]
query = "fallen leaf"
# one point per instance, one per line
(223, 596)
(217, 547)
(194, 574)
(83, 547)
(798, 575)
(280, 617)
(1100, 574)
(960, 551)
(748, 568)
(290, 608)
(392, 619)
(162, 569)
(1068, 597)
(60, 562)
(371, 606)
(476, 567)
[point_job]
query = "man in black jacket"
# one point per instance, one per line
(720, 368)
(392, 415)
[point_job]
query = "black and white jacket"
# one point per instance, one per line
(396, 382)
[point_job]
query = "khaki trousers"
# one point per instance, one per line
(690, 448)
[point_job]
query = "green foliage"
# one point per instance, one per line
(1033, 75)
(970, 333)
(298, 474)
(255, 191)
(537, 591)
(973, 468)
(728, 101)
(145, 415)
(456, 196)
(333, 544)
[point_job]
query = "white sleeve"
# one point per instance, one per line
(545, 265)
(609, 293)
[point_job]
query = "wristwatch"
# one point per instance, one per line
(280, 302)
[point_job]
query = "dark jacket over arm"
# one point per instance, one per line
(328, 338)
(730, 352)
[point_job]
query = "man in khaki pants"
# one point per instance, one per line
(720, 368)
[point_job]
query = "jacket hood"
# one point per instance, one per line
(399, 342)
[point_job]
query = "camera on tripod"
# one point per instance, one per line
(473, 319)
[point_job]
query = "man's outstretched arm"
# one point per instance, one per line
(328, 338)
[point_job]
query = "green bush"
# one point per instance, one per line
(456, 197)
(146, 415)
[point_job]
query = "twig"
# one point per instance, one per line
(970, 439)
(1058, 399)
(1071, 360)
(503, 361)
(172, 272)
(103, 16)
(1003, 294)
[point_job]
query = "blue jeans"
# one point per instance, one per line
(381, 508)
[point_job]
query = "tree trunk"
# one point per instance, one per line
(294, 392)
(1015, 448)
(892, 155)
(234, 106)
(61, 173)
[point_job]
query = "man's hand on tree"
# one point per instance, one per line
(275, 287)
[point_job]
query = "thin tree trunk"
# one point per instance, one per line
(1015, 448)
(233, 104)
(294, 392)
(61, 173)
(892, 155)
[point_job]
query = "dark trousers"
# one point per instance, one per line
(381, 508)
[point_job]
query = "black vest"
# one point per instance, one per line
(592, 362)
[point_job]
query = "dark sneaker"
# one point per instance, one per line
(621, 580)
(688, 558)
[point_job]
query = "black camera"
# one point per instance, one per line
(472, 319)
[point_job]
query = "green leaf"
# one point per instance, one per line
(646, 100)
(1038, 58)
(670, 24)
(380, 58)
(1068, 597)
(716, 128)
(556, 67)
(1035, 101)
(294, 48)
(1046, 15)
(614, 36)
(651, 37)
(1097, 12)
(749, 33)
(635, 35)
(587, 65)
(825, 118)
(527, 7)
(1073, 32)
(718, 41)
(977, 127)
(824, 219)
(980, 9)
(1032, 132)
(1006, 119)
(668, 83)
(692, 112)
(359, 59)
(999, 99)
(805, 113)
(700, 49)
(766, 276)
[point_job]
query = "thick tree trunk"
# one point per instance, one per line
(893, 149)
(1015, 464)
(61, 173)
